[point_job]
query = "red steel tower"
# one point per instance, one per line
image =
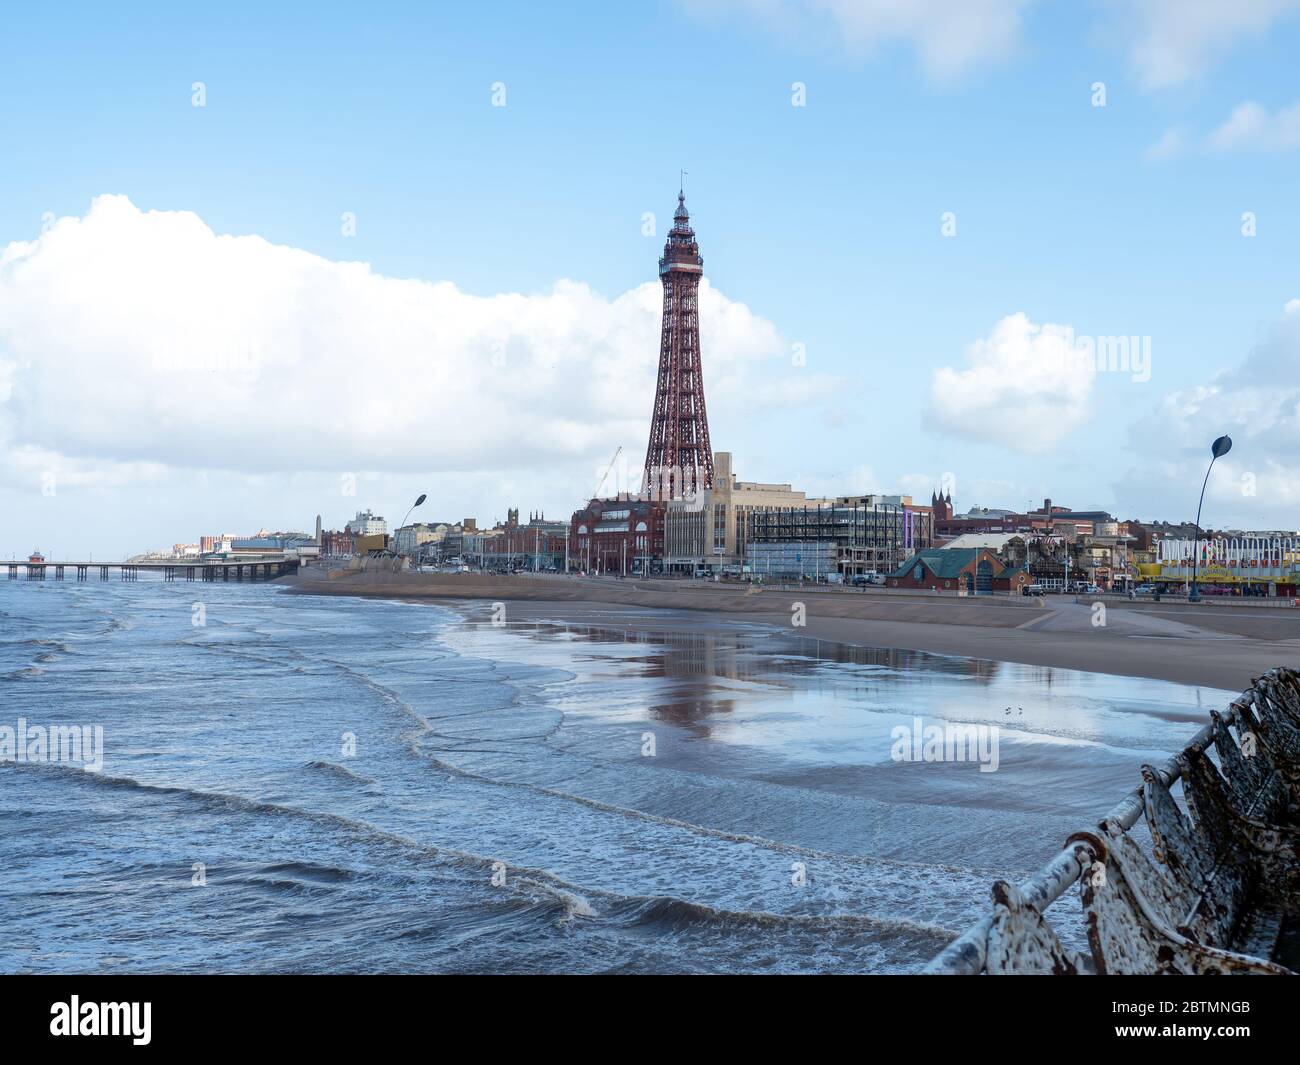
(679, 458)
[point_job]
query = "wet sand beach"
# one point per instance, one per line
(1216, 645)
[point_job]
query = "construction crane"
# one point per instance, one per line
(601, 483)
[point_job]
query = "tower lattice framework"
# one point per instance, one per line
(679, 457)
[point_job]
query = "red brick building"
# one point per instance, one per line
(972, 570)
(335, 544)
(538, 545)
(621, 535)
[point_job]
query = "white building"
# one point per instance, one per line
(410, 538)
(367, 524)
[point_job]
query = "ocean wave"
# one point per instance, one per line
(672, 913)
(294, 877)
(335, 769)
(483, 866)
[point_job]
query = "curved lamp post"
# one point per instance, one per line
(1217, 450)
(413, 506)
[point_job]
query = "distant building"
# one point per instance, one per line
(712, 528)
(850, 535)
(941, 506)
(620, 535)
(978, 521)
(336, 544)
(367, 524)
(271, 543)
(539, 545)
(1246, 564)
(995, 542)
(366, 544)
(959, 571)
(411, 539)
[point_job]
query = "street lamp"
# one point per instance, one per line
(420, 500)
(1217, 450)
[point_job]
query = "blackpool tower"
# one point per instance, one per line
(679, 459)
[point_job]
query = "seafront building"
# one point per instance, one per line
(412, 539)
(1249, 564)
(539, 545)
(849, 536)
(960, 571)
(623, 535)
(335, 543)
(367, 524)
(712, 529)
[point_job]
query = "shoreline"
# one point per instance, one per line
(1211, 646)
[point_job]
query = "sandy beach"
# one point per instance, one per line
(1218, 645)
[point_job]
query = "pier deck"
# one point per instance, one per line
(262, 569)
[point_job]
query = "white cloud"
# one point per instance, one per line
(1257, 485)
(1250, 127)
(950, 37)
(1024, 387)
(1175, 141)
(135, 341)
(1174, 41)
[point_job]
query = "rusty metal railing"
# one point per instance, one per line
(1214, 868)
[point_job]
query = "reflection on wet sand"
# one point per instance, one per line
(764, 731)
(690, 661)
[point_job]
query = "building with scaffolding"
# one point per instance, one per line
(849, 536)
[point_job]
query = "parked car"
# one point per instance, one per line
(868, 578)
(1033, 589)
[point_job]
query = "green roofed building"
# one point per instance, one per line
(958, 571)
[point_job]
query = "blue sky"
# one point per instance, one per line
(823, 221)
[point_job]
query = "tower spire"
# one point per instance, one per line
(679, 456)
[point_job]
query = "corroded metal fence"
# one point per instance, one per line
(1207, 893)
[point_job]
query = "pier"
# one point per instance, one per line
(262, 569)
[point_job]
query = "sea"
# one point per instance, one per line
(309, 784)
